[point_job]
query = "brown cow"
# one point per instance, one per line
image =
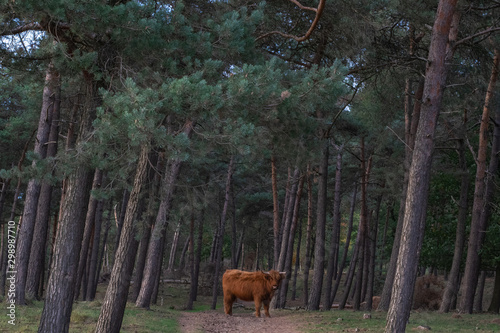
(247, 286)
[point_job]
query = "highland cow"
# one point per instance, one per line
(250, 286)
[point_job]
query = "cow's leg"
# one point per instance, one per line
(266, 307)
(228, 304)
(258, 304)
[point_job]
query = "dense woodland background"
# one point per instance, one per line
(152, 140)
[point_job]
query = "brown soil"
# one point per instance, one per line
(242, 322)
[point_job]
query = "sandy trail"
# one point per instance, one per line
(245, 322)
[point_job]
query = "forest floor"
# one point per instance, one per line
(170, 316)
(218, 322)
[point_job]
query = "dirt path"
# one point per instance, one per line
(244, 322)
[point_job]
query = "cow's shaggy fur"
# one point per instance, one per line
(250, 286)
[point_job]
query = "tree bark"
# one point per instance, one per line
(319, 248)
(479, 206)
(220, 234)
(39, 244)
(285, 237)
(350, 275)
(147, 226)
(60, 289)
(120, 219)
(94, 254)
(419, 177)
(113, 307)
(283, 225)
(26, 230)
(173, 248)
(495, 152)
(309, 233)
(195, 272)
(346, 246)
(452, 285)
(154, 255)
(182, 261)
(276, 215)
(373, 251)
(87, 234)
(297, 264)
(495, 300)
(102, 257)
(291, 238)
(334, 242)
(411, 125)
(363, 229)
(478, 300)
(76, 189)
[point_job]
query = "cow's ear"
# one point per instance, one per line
(283, 275)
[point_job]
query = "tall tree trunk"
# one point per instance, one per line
(411, 125)
(173, 249)
(478, 300)
(240, 249)
(334, 242)
(39, 244)
(420, 171)
(372, 256)
(26, 230)
(182, 261)
(388, 210)
(103, 262)
(346, 246)
(195, 272)
(297, 264)
(309, 235)
(154, 256)
(319, 247)
(120, 218)
(147, 225)
(141, 256)
(113, 307)
(287, 225)
(350, 275)
(276, 215)
(94, 254)
(479, 206)
(291, 238)
(234, 234)
(363, 229)
(220, 234)
(87, 233)
(76, 189)
(495, 152)
(495, 299)
(452, 285)
(286, 207)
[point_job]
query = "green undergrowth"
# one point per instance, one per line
(85, 314)
(353, 321)
(172, 302)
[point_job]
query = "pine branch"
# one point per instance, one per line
(32, 26)
(318, 11)
(484, 32)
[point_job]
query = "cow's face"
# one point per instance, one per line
(275, 277)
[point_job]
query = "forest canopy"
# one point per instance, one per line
(324, 138)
